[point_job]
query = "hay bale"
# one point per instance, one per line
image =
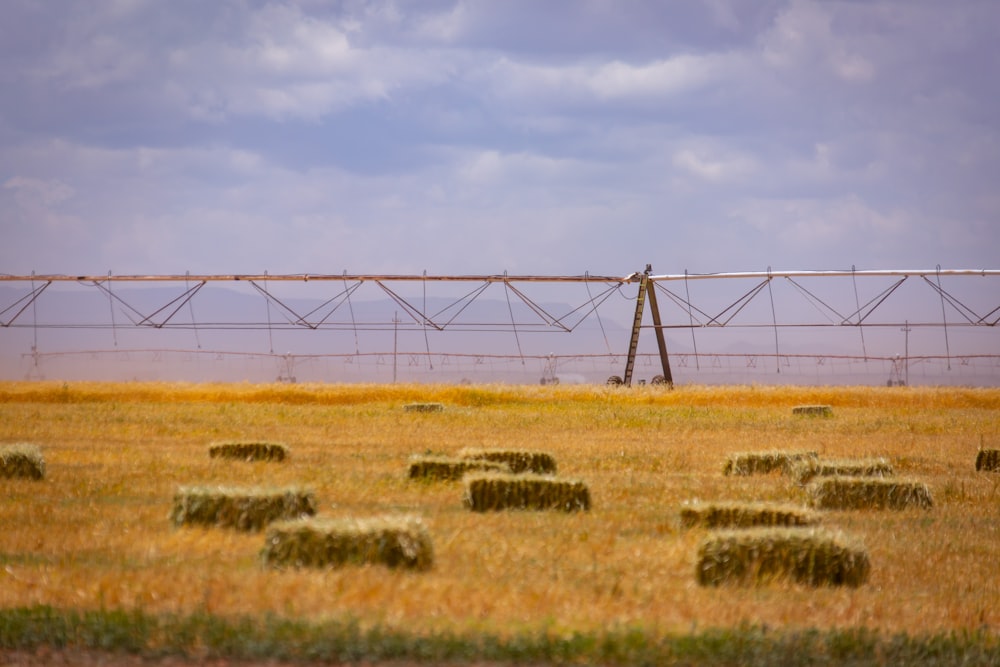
(248, 451)
(804, 471)
(449, 468)
(811, 556)
(988, 460)
(845, 493)
(246, 509)
(492, 491)
(813, 410)
(423, 407)
(762, 463)
(393, 541)
(518, 460)
(745, 515)
(22, 460)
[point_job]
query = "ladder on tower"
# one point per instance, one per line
(633, 344)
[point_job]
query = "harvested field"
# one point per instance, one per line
(89, 557)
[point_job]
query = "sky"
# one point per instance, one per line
(477, 137)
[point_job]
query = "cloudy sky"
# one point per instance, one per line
(477, 136)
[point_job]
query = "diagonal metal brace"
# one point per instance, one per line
(28, 299)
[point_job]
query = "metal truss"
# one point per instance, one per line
(744, 300)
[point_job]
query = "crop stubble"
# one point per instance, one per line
(96, 532)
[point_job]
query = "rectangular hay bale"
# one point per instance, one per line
(804, 471)
(813, 410)
(423, 407)
(848, 493)
(745, 515)
(392, 541)
(762, 463)
(246, 509)
(22, 460)
(490, 492)
(248, 451)
(518, 460)
(449, 468)
(988, 460)
(811, 556)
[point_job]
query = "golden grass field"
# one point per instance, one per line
(96, 534)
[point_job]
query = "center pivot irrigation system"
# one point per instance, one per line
(881, 307)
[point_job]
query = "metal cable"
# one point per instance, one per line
(774, 319)
(857, 304)
(694, 343)
(944, 317)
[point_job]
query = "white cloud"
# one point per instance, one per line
(475, 140)
(444, 27)
(612, 81)
(43, 192)
(820, 223)
(803, 36)
(281, 40)
(713, 167)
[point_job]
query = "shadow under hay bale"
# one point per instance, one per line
(248, 451)
(745, 515)
(486, 492)
(22, 461)
(449, 468)
(988, 460)
(247, 509)
(518, 460)
(762, 463)
(811, 556)
(393, 541)
(423, 407)
(850, 493)
(813, 410)
(804, 471)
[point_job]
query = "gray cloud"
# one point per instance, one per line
(482, 136)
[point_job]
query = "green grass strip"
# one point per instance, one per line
(203, 636)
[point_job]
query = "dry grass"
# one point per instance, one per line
(96, 534)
